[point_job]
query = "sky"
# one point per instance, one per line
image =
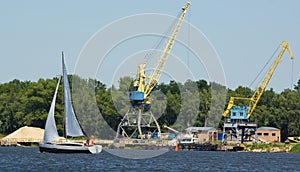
(244, 35)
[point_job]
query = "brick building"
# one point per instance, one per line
(269, 134)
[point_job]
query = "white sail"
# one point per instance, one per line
(72, 126)
(50, 133)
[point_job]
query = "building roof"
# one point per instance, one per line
(201, 128)
(267, 128)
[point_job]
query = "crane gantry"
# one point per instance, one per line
(143, 86)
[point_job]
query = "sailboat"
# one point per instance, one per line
(51, 141)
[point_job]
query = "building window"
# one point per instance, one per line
(233, 114)
(241, 114)
(266, 134)
(273, 134)
(259, 134)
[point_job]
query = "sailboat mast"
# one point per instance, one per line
(64, 116)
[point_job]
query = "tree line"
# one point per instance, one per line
(100, 109)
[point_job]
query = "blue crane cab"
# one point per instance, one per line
(239, 113)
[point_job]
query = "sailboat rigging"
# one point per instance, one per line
(51, 141)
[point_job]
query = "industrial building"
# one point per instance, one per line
(204, 134)
(269, 134)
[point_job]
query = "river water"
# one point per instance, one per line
(30, 159)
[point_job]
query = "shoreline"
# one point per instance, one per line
(167, 144)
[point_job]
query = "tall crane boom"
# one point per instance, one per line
(263, 84)
(144, 88)
(156, 72)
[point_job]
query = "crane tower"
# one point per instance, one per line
(238, 126)
(139, 116)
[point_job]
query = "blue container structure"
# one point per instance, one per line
(220, 136)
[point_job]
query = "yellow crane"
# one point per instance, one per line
(144, 85)
(259, 90)
(139, 115)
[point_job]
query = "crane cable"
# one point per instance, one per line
(292, 77)
(264, 66)
(189, 38)
(151, 52)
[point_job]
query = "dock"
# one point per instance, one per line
(198, 146)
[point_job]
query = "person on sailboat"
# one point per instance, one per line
(92, 141)
(87, 142)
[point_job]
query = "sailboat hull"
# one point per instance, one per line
(69, 148)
